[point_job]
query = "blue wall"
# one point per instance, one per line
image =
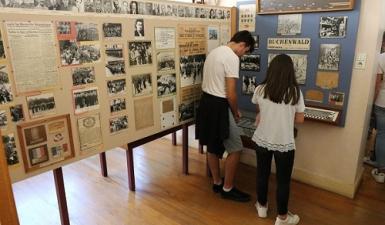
(266, 27)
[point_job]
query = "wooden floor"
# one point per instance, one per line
(165, 196)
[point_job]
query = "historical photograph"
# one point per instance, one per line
(83, 75)
(166, 84)
(69, 52)
(41, 105)
(89, 53)
(165, 61)
(86, 99)
(289, 24)
(300, 66)
(141, 84)
(191, 69)
(284, 6)
(115, 87)
(107, 6)
(87, 32)
(186, 111)
(140, 53)
(333, 26)
(89, 5)
(3, 119)
(256, 38)
(115, 68)
(213, 33)
(35, 135)
(10, 149)
(2, 52)
(249, 83)
(6, 95)
(329, 58)
(112, 30)
(38, 155)
(63, 28)
(117, 105)
(250, 62)
(336, 98)
(139, 28)
(17, 113)
(118, 124)
(114, 52)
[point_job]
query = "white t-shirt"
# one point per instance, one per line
(220, 63)
(380, 101)
(275, 130)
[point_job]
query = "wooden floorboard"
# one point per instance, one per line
(165, 196)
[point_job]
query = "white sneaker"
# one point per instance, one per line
(262, 210)
(291, 219)
(379, 177)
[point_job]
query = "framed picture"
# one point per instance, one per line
(284, 6)
(45, 142)
(251, 62)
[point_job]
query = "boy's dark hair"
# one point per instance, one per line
(244, 36)
(280, 82)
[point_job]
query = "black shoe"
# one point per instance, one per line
(235, 195)
(218, 187)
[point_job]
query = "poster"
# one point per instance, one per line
(192, 39)
(164, 37)
(34, 65)
(90, 133)
(247, 17)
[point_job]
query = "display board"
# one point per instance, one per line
(75, 84)
(322, 46)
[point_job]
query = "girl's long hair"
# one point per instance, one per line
(280, 84)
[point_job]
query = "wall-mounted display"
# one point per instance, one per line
(250, 62)
(45, 142)
(300, 66)
(249, 83)
(289, 24)
(283, 6)
(333, 26)
(329, 58)
(140, 53)
(299, 44)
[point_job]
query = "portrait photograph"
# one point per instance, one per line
(139, 28)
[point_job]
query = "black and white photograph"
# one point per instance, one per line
(87, 32)
(6, 95)
(256, 38)
(250, 62)
(165, 61)
(139, 28)
(63, 28)
(85, 99)
(329, 58)
(3, 119)
(141, 84)
(89, 53)
(186, 111)
(115, 68)
(333, 26)
(117, 105)
(107, 6)
(98, 6)
(2, 52)
(41, 105)
(116, 87)
(116, 6)
(289, 24)
(191, 69)
(213, 33)
(300, 66)
(166, 84)
(118, 124)
(114, 52)
(83, 75)
(17, 113)
(249, 83)
(89, 6)
(10, 149)
(69, 52)
(111, 30)
(140, 53)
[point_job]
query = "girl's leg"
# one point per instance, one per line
(264, 157)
